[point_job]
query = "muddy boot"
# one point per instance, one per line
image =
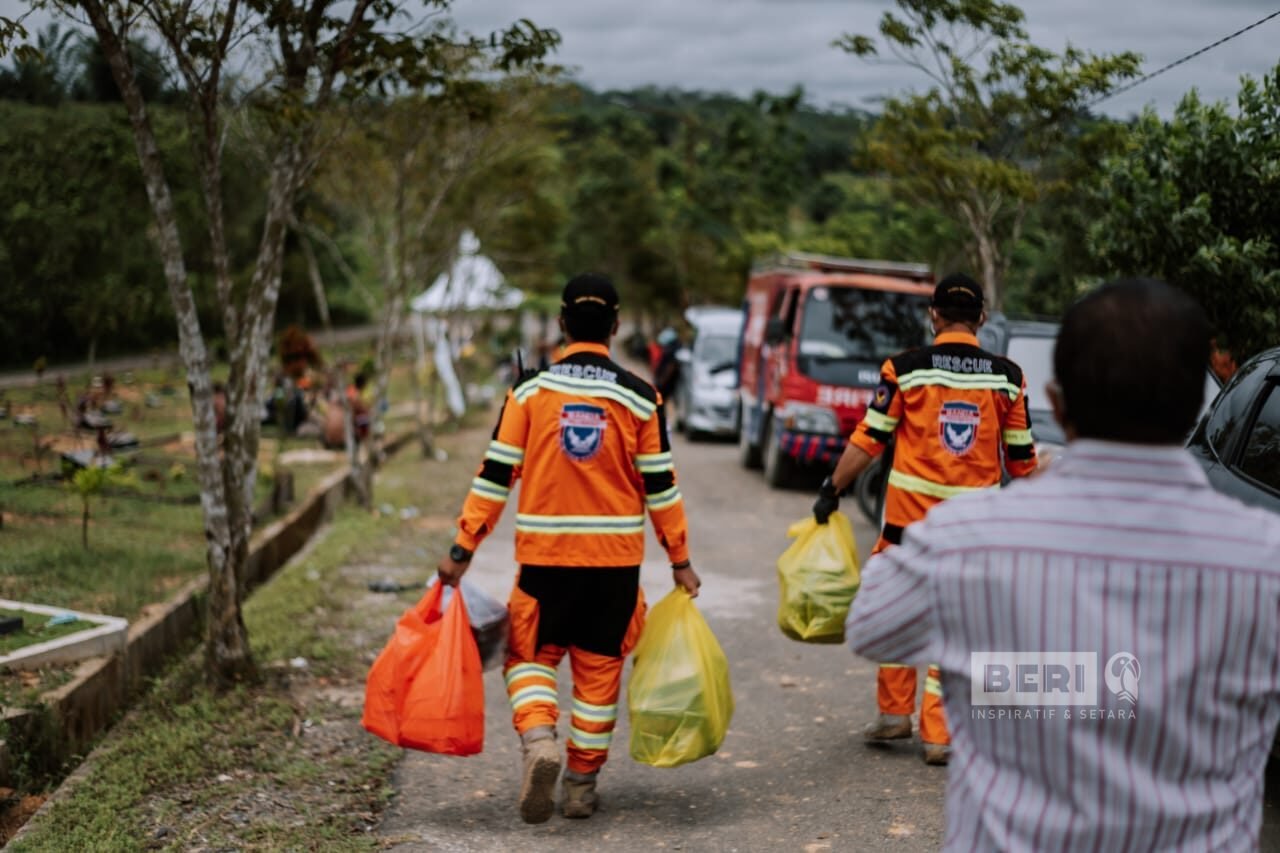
(578, 795)
(541, 769)
(937, 754)
(889, 727)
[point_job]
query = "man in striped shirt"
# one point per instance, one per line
(1107, 632)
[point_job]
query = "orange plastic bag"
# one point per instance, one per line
(425, 690)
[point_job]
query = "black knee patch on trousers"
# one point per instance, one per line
(587, 608)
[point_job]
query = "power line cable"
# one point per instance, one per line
(1177, 62)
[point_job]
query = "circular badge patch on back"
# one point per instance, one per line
(958, 426)
(582, 430)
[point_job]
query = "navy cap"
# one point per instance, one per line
(589, 292)
(958, 291)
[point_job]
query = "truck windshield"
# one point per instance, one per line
(844, 325)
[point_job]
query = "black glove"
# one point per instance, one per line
(828, 501)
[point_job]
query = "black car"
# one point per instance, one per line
(1238, 440)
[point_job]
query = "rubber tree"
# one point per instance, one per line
(975, 143)
(298, 61)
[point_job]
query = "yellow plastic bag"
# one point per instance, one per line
(818, 578)
(679, 696)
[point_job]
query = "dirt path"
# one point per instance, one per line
(793, 773)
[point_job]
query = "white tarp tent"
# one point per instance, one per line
(473, 283)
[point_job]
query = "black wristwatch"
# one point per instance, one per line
(684, 564)
(459, 554)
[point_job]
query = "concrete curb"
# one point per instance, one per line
(107, 637)
(102, 687)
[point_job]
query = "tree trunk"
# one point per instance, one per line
(989, 269)
(317, 284)
(228, 657)
(425, 439)
(241, 438)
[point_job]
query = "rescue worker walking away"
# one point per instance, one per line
(953, 407)
(589, 441)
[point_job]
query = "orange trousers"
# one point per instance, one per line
(530, 669)
(597, 682)
(896, 691)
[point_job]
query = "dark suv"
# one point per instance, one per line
(1238, 441)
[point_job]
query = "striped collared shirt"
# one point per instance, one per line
(1125, 556)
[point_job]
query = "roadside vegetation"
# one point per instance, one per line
(283, 764)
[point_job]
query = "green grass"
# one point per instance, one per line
(214, 769)
(35, 629)
(138, 552)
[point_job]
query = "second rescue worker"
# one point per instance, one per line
(952, 408)
(589, 441)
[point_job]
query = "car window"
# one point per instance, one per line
(1261, 458)
(716, 349)
(1234, 403)
(1035, 356)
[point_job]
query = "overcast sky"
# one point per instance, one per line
(743, 45)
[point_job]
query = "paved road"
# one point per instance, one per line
(793, 773)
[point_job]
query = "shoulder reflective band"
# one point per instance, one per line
(959, 381)
(921, 486)
(505, 453)
(528, 389)
(577, 524)
(878, 421)
(1018, 436)
(639, 406)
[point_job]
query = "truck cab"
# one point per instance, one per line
(815, 332)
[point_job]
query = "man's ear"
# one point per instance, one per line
(560, 323)
(1059, 405)
(616, 322)
(934, 319)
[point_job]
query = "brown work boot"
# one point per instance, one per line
(889, 727)
(578, 795)
(938, 754)
(541, 769)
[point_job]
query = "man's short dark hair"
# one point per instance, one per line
(589, 307)
(958, 299)
(1131, 360)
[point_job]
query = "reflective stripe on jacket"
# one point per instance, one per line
(590, 442)
(957, 411)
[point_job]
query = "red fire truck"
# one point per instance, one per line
(816, 331)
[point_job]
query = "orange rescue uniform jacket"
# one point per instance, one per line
(955, 409)
(590, 442)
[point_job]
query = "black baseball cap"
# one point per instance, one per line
(958, 292)
(589, 293)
